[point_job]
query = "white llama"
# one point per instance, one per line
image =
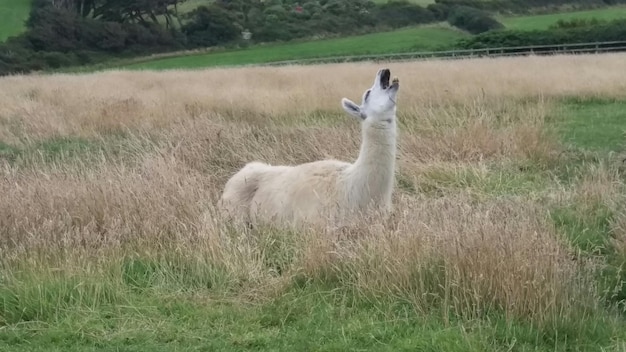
(325, 190)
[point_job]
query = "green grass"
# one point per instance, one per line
(149, 303)
(596, 127)
(13, 14)
(56, 313)
(192, 4)
(65, 149)
(593, 124)
(421, 38)
(536, 22)
(405, 40)
(48, 150)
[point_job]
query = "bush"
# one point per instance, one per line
(610, 31)
(473, 20)
(401, 13)
(56, 59)
(440, 12)
(209, 26)
(576, 23)
(524, 6)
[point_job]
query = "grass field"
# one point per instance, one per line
(545, 21)
(404, 40)
(421, 38)
(508, 232)
(13, 14)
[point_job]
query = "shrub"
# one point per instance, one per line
(473, 20)
(610, 31)
(576, 23)
(440, 11)
(401, 13)
(209, 26)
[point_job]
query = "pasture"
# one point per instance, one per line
(424, 38)
(13, 15)
(539, 22)
(420, 38)
(508, 231)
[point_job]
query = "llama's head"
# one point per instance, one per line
(379, 101)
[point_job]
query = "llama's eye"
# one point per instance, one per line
(367, 94)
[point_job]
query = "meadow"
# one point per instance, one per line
(425, 38)
(412, 39)
(539, 22)
(508, 231)
(13, 16)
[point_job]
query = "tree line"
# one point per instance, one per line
(77, 32)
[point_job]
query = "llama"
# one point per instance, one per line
(326, 190)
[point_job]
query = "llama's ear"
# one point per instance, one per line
(351, 108)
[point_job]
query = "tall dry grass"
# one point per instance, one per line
(168, 141)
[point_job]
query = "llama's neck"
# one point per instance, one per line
(371, 176)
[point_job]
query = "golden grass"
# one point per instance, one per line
(187, 132)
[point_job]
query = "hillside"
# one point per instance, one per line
(410, 39)
(546, 20)
(62, 37)
(13, 14)
(422, 38)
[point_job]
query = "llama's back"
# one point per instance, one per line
(306, 193)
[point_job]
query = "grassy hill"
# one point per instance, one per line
(404, 40)
(409, 39)
(422, 38)
(545, 21)
(13, 13)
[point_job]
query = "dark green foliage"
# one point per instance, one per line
(473, 20)
(577, 23)
(401, 13)
(52, 29)
(610, 31)
(210, 26)
(440, 11)
(57, 38)
(525, 6)
(283, 22)
(64, 33)
(591, 234)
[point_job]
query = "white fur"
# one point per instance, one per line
(316, 192)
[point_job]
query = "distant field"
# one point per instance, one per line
(404, 40)
(545, 21)
(417, 38)
(13, 13)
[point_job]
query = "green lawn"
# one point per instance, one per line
(13, 13)
(545, 21)
(594, 124)
(405, 40)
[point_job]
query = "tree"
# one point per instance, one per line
(136, 11)
(210, 25)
